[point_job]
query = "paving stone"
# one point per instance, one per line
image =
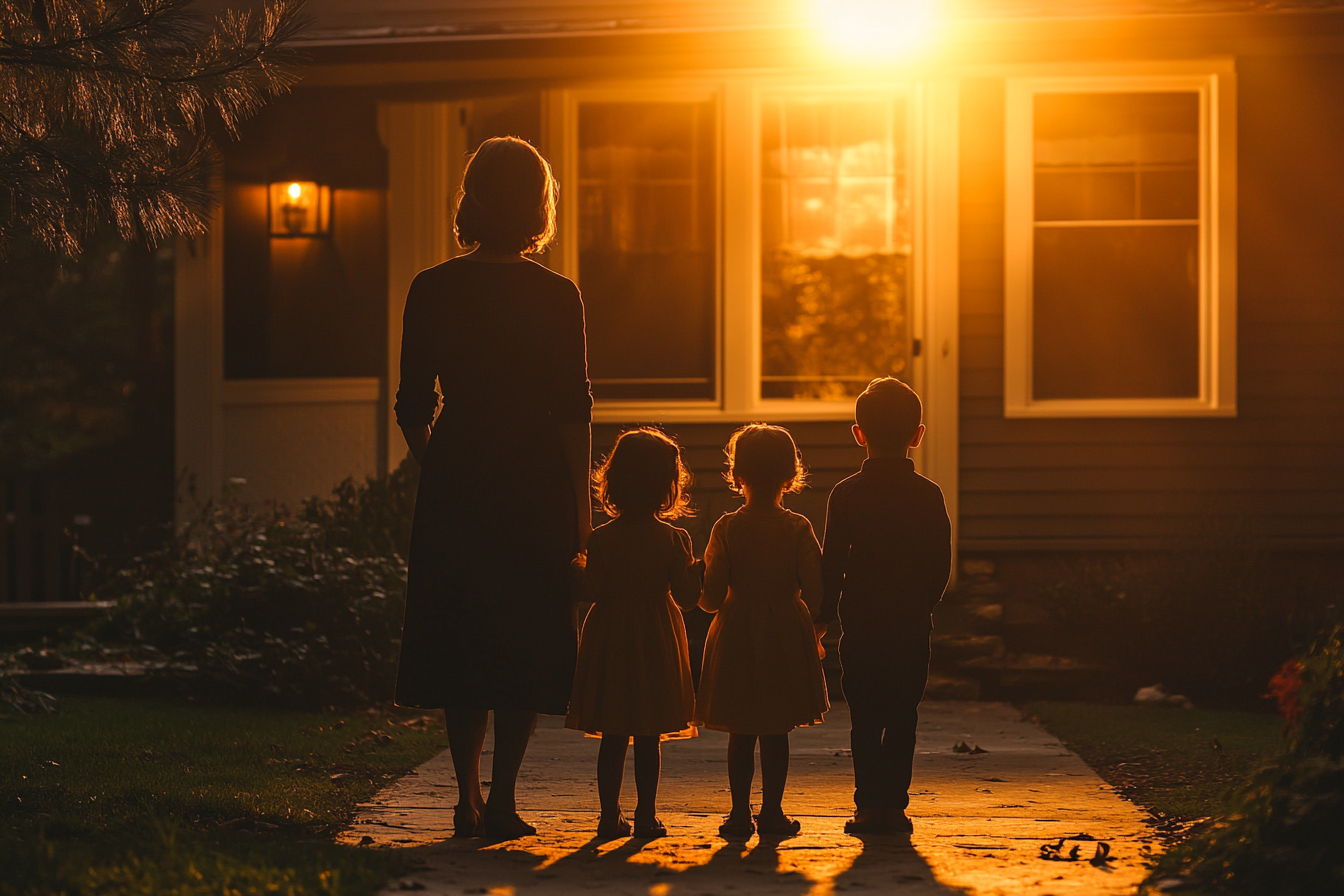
(980, 821)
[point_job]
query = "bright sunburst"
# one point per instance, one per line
(875, 30)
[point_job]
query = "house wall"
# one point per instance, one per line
(1274, 471)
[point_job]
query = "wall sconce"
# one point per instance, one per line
(300, 208)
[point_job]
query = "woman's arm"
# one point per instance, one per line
(417, 439)
(417, 400)
(578, 442)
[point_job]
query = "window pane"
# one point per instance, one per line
(1116, 312)
(1114, 156)
(835, 231)
(647, 248)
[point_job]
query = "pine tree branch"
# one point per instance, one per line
(104, 110)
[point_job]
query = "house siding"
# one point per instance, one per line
(1274, 471)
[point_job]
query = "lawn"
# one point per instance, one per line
(127, 796)
(1177, 762)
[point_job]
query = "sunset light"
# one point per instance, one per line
(875, 30)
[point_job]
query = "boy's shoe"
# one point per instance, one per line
(869, 821)
(879, 821)
(737, 828)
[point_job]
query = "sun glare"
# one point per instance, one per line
(875, 30)
(295, 191)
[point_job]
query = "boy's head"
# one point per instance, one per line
(764, 457)
(887, 417)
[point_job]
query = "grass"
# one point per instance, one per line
(1164, 758)
(122, 796)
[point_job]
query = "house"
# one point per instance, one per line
(1103, 238)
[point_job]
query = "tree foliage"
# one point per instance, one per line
(107, 109)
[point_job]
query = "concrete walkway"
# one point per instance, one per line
(981, 820)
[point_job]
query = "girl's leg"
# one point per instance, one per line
(466, 737)
(774, 773)
(513, 729)
(741, 772)
(610, 775)
(648, 766)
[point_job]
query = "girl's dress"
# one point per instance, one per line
(634, 671)
(761, 673)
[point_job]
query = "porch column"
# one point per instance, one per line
(198, 325)
(426, 150)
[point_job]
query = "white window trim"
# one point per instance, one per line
(934, 199)
(1216, 84)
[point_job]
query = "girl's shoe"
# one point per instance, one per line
(613, 830)
(507, 827)
(651, 831)
(777, 826)
(467, 822)
(736, 827)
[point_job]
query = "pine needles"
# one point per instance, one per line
(108, 110)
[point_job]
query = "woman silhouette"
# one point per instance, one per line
(503, 504)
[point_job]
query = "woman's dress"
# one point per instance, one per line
(489, 618)
(762, 672)
(634, 669)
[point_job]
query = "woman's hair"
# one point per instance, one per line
(765, 457)
(644, 473)
(507, 199)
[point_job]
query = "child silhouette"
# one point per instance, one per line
(887, 558)
(762, 675)
(633, 677)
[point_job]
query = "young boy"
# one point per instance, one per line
(886, 561)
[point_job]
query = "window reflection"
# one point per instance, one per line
(647, 248)
(835, 236)
(1115, 304)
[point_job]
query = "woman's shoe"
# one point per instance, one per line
(467, 822)
(737, 828)
(613, 830)
(651, 831)
(777, 825)
(508, 827)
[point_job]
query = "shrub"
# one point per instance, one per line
(299, 608)
(1213, 620)
(1282, 831)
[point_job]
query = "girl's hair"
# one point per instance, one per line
(764, 456)
(644, 473)
(507, 199)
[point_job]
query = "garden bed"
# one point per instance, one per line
(1176, 763)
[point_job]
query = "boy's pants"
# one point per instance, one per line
(883, 685)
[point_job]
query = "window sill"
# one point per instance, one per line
(1130, 407)
(772, 412)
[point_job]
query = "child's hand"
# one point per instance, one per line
(821, 628)
(580, 562)
(698, 567)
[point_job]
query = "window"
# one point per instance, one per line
(750, 248)
(1118, 299)
(647, 255)
(835, 245)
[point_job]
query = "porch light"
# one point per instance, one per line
(875, 30)
(300, 208)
